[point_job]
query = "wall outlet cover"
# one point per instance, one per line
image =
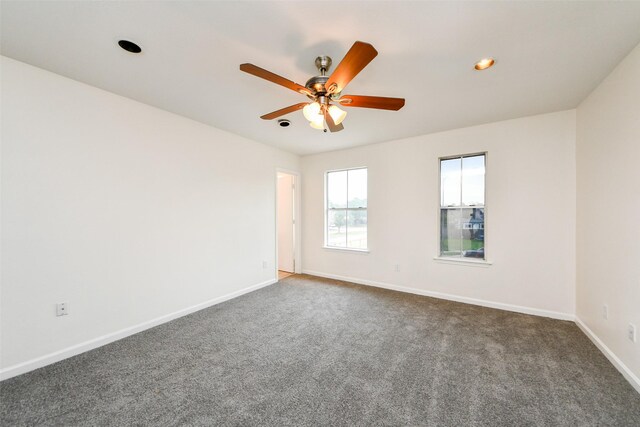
(62, 309)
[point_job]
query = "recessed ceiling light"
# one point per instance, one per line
(284, 123)
(129, 46)
(484, 63)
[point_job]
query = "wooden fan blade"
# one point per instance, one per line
(378, 102)
(353, 62)
(333, 127)
(283, 111)
(274, 78)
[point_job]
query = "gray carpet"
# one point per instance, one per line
(310, 351)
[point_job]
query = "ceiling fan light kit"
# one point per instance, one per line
(317, 124)
(325, 92)
(337, 114)
(311, 110)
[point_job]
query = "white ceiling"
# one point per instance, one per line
(550, 55)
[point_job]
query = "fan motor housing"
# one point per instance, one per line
(317, 84)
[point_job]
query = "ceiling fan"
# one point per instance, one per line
(326, 91)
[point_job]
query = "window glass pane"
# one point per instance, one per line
(337, 189)
(450, 232)
(357, 229)
(472, 232)
(473, 181)
(337, 228)
(450, 171)
(357, 188)
(346, 209)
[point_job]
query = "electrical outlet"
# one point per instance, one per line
(631, 332)
(605, 312)
(264, 264)
(62, 309)
(397, 267)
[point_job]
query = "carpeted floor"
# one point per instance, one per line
(310, 351)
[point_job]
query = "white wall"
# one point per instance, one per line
(608, 208)
(127, 212)
(530, 215)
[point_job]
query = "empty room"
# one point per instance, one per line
(336, 213)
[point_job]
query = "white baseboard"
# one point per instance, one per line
(59, 355)
(620, 366)
(449, 297)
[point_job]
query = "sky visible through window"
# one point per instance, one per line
(466, 175)
(357, 189)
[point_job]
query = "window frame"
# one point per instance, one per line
(483, 262)
(327, 209)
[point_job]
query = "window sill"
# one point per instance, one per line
(461, 261)
(331, 248)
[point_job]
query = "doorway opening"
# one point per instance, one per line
(286, 227)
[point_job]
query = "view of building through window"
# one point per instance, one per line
(462, 206)
(346, 215)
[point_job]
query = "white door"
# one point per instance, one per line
(285, 222)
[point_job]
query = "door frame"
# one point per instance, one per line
(297, 229)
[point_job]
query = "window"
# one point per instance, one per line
(346, 212)
(462, 207)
